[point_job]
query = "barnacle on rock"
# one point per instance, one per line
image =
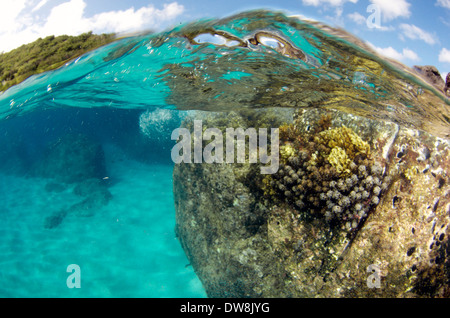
(326, 174)
(339, 160)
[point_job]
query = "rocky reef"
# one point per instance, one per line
(358, 208)
(75, 162)
(72, 158)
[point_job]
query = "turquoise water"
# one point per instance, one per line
(115, 219)
(126, 250)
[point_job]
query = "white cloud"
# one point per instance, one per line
(444, 55)
(39, 5)
(334, 3)
(303, 17)
(413, 32)
(357, 18)
(443, 3)
(19, 24)
(131, 20)
(392, 53)
(361, 20)
(408, 54)
(444, 21)
(337, 5)
(66, 18)
(392, 9)
(9, 14)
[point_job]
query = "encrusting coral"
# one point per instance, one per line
(326, 174)
(345, 146)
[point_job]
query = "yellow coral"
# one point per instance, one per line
(267, 188)
(346, 139)
(339, 160)
(286, 151)
(345, 145)
(314, 159)
(411, 172)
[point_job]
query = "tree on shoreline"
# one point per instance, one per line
(46, 54)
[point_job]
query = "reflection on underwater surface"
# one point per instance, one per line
(87, 173)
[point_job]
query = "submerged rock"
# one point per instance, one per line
(383, 233)
(75, 161)
(54, 187)
(94, 195)
(73, 158)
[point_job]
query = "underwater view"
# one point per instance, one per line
(256, 155)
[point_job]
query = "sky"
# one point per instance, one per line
(414, 32)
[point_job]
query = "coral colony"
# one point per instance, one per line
(213, 152)
(329, 175)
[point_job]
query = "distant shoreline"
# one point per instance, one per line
(46, 54)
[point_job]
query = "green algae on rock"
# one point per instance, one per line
(246, 237)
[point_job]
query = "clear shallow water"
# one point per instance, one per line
(127, 249)
(114, 95)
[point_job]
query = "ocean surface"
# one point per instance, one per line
(115, 219)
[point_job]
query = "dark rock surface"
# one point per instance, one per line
(75, 161)
(447, 84)
(244, 240)
(73, 158)
(93, 196)
(431, 74)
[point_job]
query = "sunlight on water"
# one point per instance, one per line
(185, 69)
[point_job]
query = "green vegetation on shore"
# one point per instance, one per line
(46, 54)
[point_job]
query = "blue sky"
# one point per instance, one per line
(415, 32)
